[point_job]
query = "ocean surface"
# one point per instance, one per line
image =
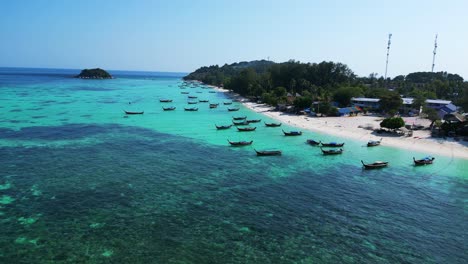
(81, 182)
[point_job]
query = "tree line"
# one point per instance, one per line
(327, 82)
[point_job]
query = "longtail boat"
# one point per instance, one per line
(233, 109)
(192, 96)
(184, 92)
(191, 108)
(240, 143)
(272, 124)
(373, 143)
(192, 102)
(212, 91)
(165, 100)
(331, 151)
(423, 161)
(313, 142)
(292, 133)
(240, 123)
(332, 144)
(239, 117)
(268, 152)
(246, 129)
(223, 127)
(133, 113)
(227, 103)
(253, 120)
(203, 101)
(375, 165)
(169, 108)
(213, 105)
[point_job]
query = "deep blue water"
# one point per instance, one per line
(80, 183)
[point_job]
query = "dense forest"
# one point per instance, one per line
(327, 82)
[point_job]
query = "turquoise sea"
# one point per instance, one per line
(81, 182)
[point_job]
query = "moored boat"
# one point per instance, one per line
(253, 120)
(272, 124)
(213, 105)
(375, 165)
(169, 108)
(239, 117)
(240, 143)
(332, 145)
(424, 161)
(192, 102)
(373, 143)
(192, 96)
(233, 109)
(268, 152)
(203, 101)
(184, 92)
(331, 151)
(223, 127)
(246, 129)
(240, 123)
(292, 133)
(165, 100)
(191, 108)
(313, 142)
(133, 113)
(227, 103)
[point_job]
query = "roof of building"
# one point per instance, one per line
(407, 101)
(363, 99)
(347, 110)
(437, 101)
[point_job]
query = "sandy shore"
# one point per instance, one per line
(356, 128)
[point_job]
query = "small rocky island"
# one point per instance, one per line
(94, 74)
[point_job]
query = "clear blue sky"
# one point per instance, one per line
(180, 35)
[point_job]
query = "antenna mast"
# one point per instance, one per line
(388, 53)
(434, 53)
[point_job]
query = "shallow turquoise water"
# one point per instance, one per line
(80, 182)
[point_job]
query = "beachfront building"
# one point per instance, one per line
(436, 103)
(368, 103)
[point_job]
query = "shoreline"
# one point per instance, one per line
(354, 128)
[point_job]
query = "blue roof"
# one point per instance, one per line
(347, 110)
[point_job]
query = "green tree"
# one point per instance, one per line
(431, 114)
(344, 94)
(392, 122)
(303, 102)
(390, 103)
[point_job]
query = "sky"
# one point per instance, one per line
(183, 35)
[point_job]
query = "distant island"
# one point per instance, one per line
(94, 74)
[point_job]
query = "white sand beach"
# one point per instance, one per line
(356, 127)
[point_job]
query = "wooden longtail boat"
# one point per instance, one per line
(223, 127)
(272, 124)
(313, 142)
(165, 100)
(192, 102)
(192, 96)
(169, 108)
(133, 113)
(227, 103)
(191, 108)
(375, 165)
(373, 143)
(240, 143)
(268, 152)
(203, 101)
(239, 117)
(240, 123)
(253, 120)
(424, 161)
(213, 105)
(246, 129)
(184, 92)
(331, 151)
(233, 109)
(332, 144)
(292, 133)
